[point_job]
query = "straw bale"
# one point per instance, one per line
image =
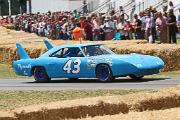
(7, 115)
(168, 114)
(100, 106)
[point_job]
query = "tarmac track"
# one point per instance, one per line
(63, 84)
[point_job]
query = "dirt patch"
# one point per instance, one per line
(99, 106)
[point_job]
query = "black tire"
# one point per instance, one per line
(134, 77)
(40, 75)
(104, 73)
(73, 79)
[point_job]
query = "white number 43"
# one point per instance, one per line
(76, 66)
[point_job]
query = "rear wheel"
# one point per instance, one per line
(40, 75)
(104, 73)
(134, 77)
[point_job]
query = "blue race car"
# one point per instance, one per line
(84, 61)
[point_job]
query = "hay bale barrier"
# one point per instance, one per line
(169, 114)
(100, 106)
(169, 53)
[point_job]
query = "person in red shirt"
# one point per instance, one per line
(88, 29)
(82, 24)
(128, 28)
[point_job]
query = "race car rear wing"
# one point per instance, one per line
(23, 54)
(21, 51)
(48, 44)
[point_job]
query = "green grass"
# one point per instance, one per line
(16, 99)
(178, 40)
(6, 72)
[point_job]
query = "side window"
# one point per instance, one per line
(72, 52)
(57, 54)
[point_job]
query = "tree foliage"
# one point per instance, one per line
(15, 6)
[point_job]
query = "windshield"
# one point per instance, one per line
(95, 50)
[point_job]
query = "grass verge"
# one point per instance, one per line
(16, 99)
(6, 72)
(178, 40)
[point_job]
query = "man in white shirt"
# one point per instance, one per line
(109, 27)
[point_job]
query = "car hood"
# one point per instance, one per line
(138, 60)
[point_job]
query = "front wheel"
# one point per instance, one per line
(40, 75)
(104, 73)
(134, 77)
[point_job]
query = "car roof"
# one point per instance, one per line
(65, 46)
(76, 45)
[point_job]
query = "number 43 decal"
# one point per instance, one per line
(76, 66)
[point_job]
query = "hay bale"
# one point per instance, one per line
(7, 115)
(168, 114)
(100, 106)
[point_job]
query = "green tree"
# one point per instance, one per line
(4, 7)
(22, 4)
(1, 3)
(17, 7)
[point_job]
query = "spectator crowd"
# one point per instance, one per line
(150, 24)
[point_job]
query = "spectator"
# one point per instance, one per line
(121, 14)
(109, 27)
(178, 23)
(82, 24)
(120, 27)
(170, 6)
(138, 27)
(60, 25)
(88, 29)
(58, 29)
(78, 33)
(150, 29)
(85, 9)
(161, 27)
(96, 23)
(142, 17)
(128, 31)
(172, 28)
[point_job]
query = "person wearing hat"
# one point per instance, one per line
(109, 27)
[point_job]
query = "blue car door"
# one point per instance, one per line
(70, 63)
(75, 67)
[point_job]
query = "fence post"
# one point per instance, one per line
(9, 2)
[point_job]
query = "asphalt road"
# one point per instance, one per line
(62, 84)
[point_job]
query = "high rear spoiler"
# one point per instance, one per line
(48, 44)
(23, 54)
(21, 51)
